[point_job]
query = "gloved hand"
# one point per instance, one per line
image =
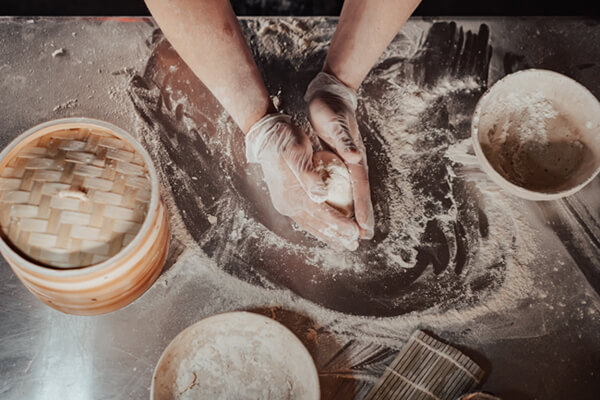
(284, 153)
(331, 110)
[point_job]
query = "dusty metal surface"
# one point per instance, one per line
(122, 71)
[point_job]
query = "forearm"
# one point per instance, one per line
(364, 31)
(207, 36)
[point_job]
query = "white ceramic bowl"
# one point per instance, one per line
(236, 355)
(568, 155)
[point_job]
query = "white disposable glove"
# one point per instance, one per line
(331, 110)
(284, 153)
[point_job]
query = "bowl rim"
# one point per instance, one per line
(489, 168)
(146, 225)
(234, 315)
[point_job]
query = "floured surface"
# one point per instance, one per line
(450, 247)
(439, 241)
(530, 323)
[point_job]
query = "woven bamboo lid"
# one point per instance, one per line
(74, 196)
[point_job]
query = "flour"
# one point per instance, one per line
(437, 213)
(452, 252)
(531, 142)
(452, 231)
(223, 266)
(195, 266)
(232, 356)
(526, 116)
(292, 37)
(398, 131)
(59, 52)
(71, 103)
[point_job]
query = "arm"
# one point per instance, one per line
(364, 31)
(208, 37)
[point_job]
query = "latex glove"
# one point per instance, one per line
(284, 153)
(331, 110)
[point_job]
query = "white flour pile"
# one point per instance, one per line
(525, 116)
(532, 143)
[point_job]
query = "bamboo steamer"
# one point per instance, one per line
(82, 224)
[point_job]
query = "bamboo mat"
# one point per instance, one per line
(426, 369)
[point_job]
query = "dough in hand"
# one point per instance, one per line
(334, 173)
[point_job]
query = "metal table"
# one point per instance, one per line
(546, 345)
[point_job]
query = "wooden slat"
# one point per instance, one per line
(73, 196)
(426, 369)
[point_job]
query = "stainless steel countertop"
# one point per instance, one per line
(545, 348)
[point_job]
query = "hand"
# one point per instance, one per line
(331, 110)
(284, 153)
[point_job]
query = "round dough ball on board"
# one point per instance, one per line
(334, 173)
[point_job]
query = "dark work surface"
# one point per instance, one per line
(540, 348)
(303, 7)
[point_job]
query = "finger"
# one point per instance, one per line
(298, 156)
(305, 224)
(332, 223)
(361, 192)
(343, 137)
(320, 230)
(335, 128)
(303, 169)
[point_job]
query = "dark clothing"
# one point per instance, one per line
(301, 7)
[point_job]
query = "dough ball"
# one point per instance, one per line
(334, 173)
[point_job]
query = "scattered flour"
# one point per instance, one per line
(195, 284)
(286, 38)
(59, 52)
(416, 150)
(71, 103)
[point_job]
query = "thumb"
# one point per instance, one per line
(335, 128)
(342, 137)
(309, 178)
(299, 159)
